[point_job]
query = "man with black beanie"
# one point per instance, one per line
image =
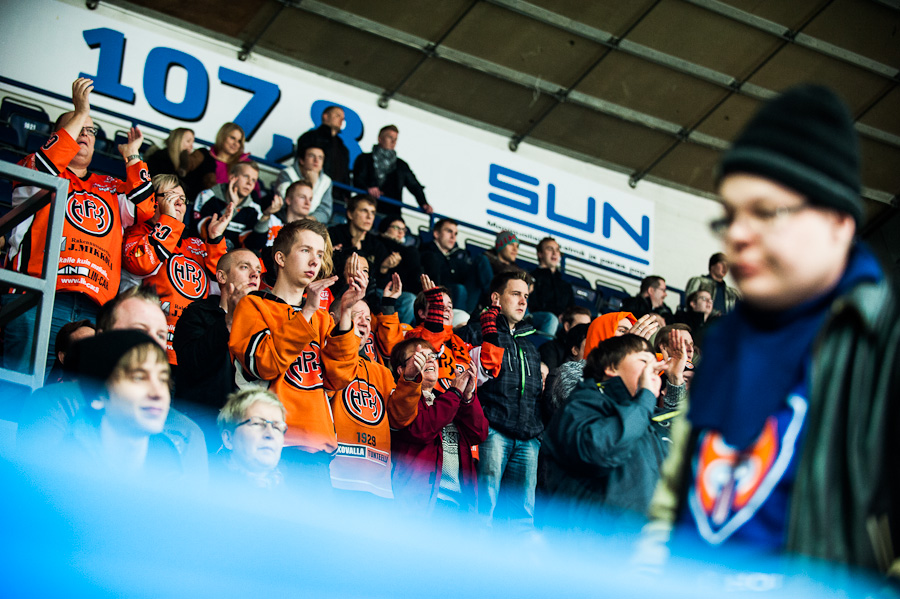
(794, 410)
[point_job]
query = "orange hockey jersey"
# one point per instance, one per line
(180, 268)
(274, 345)
(363, 458)
(98, 208)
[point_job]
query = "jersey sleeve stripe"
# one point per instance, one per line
(140, 193)
(250, 354)
(44, 164)
(161, 252)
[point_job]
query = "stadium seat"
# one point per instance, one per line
(26, 124)
(8, 107)
(105, 164)
(34, 141)
(9, 137)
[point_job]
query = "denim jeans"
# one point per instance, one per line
(545, 322)
(18, 342)
(405, 307)
(507, 475)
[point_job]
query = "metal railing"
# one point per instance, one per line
(34, 291)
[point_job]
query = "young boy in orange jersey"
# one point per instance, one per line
(281, 339)
(363, 460)
(97, 208)
(179, 267)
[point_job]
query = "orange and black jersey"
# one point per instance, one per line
(97, 210)
(365, 411)
(181, 268)
(274, 345)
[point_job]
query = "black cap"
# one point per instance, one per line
(805, 140)
(95, 358)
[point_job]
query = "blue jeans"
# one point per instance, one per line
(18, 342)
(405, 307)
(545, 322)
(507, 475)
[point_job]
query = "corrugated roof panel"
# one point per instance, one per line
(524, 44)
(705, 38)
(606, 138)
(475, 95)
(651, 89)
(353, 53)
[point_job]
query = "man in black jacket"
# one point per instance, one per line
(201, 342)
(551, 295)
(800, 379)
(450, 266)
(337, 156)
(511, 402)
(381, 173)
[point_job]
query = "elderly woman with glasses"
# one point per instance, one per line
(252, 427)
(434, 466)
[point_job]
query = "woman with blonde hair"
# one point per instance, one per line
(174, 157)
(214, 163)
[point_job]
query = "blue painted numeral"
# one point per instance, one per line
(265, 97)
(108, 79)
(156, 75)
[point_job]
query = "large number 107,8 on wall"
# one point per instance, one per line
(108, 81)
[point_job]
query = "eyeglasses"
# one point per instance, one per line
(92, 131)
(400, 228)
(759, 218)
(260, 424)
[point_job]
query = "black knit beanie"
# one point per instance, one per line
(95, 358)
(805, 140)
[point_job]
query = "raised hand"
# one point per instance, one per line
(390, 262)
(415, 365)
(133, 146)
(350, 267)
(233, 294)
(489, 321)
(275, 206)
(394, 287)
(427, 283)
(314, 296)
(645, 326)
(650, 377)
(81, 95)
(676, 359)
(168, 203)
(218, 223)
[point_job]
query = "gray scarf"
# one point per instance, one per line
(385, 161)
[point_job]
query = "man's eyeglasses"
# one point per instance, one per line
(759, 219)
(260, 424)
(92, 131)
(399, 228)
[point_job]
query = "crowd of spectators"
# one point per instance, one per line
(234, 335)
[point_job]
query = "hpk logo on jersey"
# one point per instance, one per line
(306, 371)
(89, 213)
(187, 277)
(364, 402)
